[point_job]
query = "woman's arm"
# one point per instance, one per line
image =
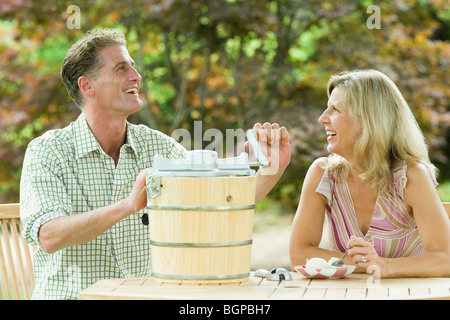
(434, 230)
(308, 222)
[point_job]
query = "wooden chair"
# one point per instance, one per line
(447, 207)
(16, 269)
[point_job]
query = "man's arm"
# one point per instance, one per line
(275, 145)
(65, 231)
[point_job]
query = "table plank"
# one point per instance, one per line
(416, 282)
(312, 293)
(377, 293)
(253, 281)
(420, 292)
(351, 281)
(151, 282)
(104, 286)
(186, 293)
(398, 292)
(133, 282)
(355, 286)
(440, 293)
(335, 293)
(268, 283)
(297, 281)
(288, 293)
(356, 294)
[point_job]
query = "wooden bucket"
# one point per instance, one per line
(201, 229)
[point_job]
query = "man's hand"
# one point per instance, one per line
(274, 141)
(137, 199)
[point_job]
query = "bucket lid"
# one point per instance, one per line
(202, 163)
(205, 163)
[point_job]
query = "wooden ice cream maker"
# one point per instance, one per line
(201, 216)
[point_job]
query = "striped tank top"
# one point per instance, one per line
(392, 231)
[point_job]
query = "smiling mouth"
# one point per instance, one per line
(132, 91)
(331, 133)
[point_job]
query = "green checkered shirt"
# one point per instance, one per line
(66, 172)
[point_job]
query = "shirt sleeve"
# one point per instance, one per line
(43, 195)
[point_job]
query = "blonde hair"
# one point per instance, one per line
(389, 132)
(82, 59)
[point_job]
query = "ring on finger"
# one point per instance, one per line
(363, 258)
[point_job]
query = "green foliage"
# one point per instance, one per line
(228, 64)
(444, 191)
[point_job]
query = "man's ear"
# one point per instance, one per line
(85, 85)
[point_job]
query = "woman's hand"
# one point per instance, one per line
(364, 255)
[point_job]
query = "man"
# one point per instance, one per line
(80, 184)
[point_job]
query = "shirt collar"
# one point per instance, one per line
(86, 141)
(131, 139)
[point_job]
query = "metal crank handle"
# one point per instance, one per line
(262, 160)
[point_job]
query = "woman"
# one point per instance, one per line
(376, 191)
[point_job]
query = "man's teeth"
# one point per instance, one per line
(131, 90)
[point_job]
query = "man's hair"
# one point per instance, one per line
(82, 59)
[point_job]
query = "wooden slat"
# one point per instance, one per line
(28, 252)
(336, 293)
(16, 269)
(9, 258)
(4, 279)
(356, 293)
(377, 293)
(397, 292)
(19, 253)
(447, 207)
(352, 287)
(288, 293)
(9, 211)
(314, 293)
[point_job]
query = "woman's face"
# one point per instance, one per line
(340, 127)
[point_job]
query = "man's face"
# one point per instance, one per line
(117, 82)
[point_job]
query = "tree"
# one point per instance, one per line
(228, 64)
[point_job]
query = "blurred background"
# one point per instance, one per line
(229, 64)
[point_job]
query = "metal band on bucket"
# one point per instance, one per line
(201, 244)
(198, 277)
(202, 208)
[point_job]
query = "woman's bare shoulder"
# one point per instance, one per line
(316, 170)
(417, 172)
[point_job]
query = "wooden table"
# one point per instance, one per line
(354, 286)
